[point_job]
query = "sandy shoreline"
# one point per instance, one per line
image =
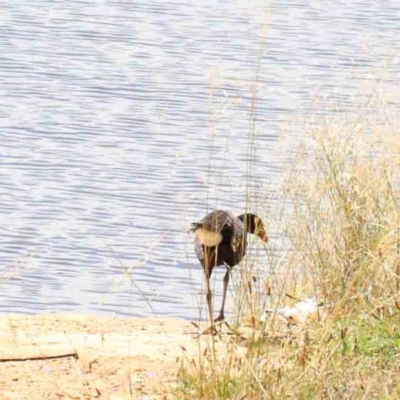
(99, 357)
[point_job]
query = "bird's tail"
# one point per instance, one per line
(194, 226)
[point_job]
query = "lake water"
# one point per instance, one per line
(122, 122)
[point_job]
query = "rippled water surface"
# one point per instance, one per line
(122, 121)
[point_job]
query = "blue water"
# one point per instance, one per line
(122, 122)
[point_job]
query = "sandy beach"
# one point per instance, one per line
(74, 356)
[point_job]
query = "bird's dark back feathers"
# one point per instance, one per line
(231, 249)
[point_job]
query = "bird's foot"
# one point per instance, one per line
(212, 329)
(221, 317)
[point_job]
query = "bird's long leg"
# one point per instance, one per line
(209, 294)
(207, 274)
(212, 328)
(221, 316)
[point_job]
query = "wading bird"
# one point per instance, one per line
(221, 239)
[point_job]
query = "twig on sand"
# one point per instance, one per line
(40, 358)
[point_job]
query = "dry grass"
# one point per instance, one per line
(342, 231)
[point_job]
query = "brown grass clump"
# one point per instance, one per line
(345, 231)
(342, 236)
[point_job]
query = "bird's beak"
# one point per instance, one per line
(263, 236)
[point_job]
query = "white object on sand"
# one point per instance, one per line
(298, 313)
